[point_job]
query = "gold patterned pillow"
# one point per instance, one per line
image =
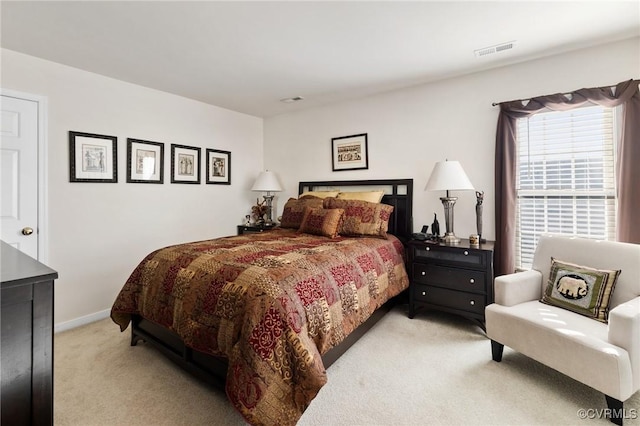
(294, 210)
(371, 196)
(362, 218)
(319, 221)
(319, 194)
(580, 289)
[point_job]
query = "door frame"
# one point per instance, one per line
(43, 161)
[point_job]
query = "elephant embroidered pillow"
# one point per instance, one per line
(581, 289)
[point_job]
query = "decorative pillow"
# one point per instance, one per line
(370, 196)
(294, 210)
(320, 194)
(319, 221)
(580, 289)
(362, 218)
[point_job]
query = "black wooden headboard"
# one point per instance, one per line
(397, 193)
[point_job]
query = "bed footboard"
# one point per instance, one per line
(212, 369)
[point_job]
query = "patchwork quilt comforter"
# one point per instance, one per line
(271, 303)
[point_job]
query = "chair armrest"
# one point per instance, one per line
(624, 329)
(517, 288)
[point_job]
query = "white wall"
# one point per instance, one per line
(98, 232)
(411, 129)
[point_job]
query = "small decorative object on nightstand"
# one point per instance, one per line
(457, 279)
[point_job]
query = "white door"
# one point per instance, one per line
(19, 174)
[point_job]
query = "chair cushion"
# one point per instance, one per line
(581, 289)
(572, 344)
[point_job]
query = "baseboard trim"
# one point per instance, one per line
(87, 319)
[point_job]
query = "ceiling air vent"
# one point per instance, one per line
(494, 49)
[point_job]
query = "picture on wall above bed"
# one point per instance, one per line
(349, 152)
(185, 164)
(93, 158)
(145, 161)
(218, 167)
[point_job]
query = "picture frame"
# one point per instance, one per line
(93, 158)
(218, 167)
(145, 161)
(350, 153)
(185, 164)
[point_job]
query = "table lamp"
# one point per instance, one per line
(267, 182)
(449, 176)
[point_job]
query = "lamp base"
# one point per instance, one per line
(450, 239)
(448, 203)
(269, 199)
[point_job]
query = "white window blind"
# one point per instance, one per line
(565, 177)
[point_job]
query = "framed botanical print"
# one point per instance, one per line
(145, 161)
(218, 167)
(93, 158)
(349, 152)
(185, 164)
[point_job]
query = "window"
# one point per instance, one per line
(565, 177)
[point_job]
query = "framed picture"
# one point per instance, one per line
(145, 161)
(349, 152)
(218, 167)
(185, 164)
(93, 158)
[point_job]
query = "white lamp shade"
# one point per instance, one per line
(267, 182)
(448, 176)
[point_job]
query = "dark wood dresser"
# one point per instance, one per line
(457, 279)
(26, 334)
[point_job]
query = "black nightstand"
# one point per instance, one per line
(457, 279)
(253, 228)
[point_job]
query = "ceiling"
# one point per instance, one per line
(247, 56)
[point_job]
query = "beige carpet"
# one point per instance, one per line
(433, 370)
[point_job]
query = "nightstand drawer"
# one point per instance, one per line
(452, 299)
(459, 256)
(453, 278)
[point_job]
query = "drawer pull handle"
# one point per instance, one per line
(428, 248)
(466, 253)
(423, 273)
(424, 293)
(472, 281)
(472, 303)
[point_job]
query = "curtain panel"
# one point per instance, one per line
(627, 170)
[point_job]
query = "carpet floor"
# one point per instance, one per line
(435, 369)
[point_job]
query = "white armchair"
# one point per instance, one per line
(603, 356)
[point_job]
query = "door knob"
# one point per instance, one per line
(27, 230)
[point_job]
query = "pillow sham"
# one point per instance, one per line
(319, 221)
(580, 289)
(370, 196)
(362, 218)
(319, 194)
(294, 210)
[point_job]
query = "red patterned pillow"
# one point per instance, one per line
(362, 218)
(294, 210)
(319, 221)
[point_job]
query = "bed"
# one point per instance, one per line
(265, 314)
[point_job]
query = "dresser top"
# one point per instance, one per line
(464, 244)
(17, 268)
